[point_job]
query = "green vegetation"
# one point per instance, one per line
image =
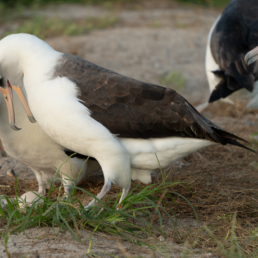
(12, 11)
(13, 3)
(44, 27)
(234, 244)
(132, 222)
(174, 80)
(230, 247)
(227, 217)
(214, 3)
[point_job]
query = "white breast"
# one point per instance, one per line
(24, 145)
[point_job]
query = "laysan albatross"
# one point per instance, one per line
(34, 148)
(233, 34)
(119, 121)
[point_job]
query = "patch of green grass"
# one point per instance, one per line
(213, 3)
(156, 23)
(29, 3)
(253, 140)
(231, 245)
(181, 25)
(33, 3)
(44, 27)
(12, 9)
(132, 222)
(254, 232)
(174, 80)
(226, 217)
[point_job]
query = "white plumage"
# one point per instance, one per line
(34, 148)
(55, 101)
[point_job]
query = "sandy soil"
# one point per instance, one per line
(146, 43)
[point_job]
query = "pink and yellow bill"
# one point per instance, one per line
(24, 102)
(8, 97)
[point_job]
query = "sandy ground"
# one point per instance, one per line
(145, 44)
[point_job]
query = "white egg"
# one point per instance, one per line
(30, 198)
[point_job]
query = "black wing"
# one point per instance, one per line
(235, 34)
(134, 109)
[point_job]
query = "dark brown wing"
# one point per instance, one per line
(134, 109)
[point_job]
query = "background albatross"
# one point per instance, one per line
(119, 121)
(232, 35)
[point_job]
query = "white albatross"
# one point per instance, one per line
(34, 148)
(119, 121)
(233, 34)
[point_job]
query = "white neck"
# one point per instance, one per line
(32, 57)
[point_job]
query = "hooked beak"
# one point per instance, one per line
(8, 97)
(24, 102)
(251, 56)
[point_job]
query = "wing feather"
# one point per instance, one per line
(134, 109)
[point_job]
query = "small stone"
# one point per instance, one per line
(11, 173)
(161, 239)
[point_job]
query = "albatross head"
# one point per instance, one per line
(11, 73)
